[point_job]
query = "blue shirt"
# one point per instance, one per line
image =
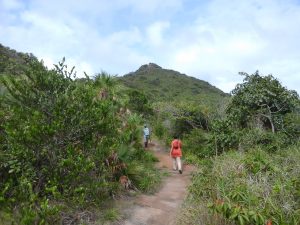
(146, 131)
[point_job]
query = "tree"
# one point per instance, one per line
(261, 100)
(184, 116)
(56, 136)
(139, 103)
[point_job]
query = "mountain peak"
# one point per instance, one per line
(149, 66)
(167, 85)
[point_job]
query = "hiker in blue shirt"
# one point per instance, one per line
(146, 132)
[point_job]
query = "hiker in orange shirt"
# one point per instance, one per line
(176, 154)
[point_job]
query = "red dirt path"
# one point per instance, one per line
(162, 207)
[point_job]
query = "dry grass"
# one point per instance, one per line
(196, 213)
(266, 184)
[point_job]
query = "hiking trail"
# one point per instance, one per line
(161, 207)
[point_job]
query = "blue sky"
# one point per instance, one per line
(211, 40)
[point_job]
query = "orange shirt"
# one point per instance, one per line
(176, 152)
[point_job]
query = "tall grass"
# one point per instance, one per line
(246, 188)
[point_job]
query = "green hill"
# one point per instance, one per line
(168, 85)
(157, 83)
(12, 62)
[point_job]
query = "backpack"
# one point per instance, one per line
(176, 144)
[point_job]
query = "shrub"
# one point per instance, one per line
(225, 136)
(266, 140)
(261, 99)
(251, 188)
(197, 142)
(159, 130)
(61, 141)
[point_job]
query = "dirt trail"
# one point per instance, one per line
(162, 207)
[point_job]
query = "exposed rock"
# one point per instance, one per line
(149, 66)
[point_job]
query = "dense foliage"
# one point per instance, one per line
(261, 101)
(13, 62)
(247, 174)
(171, 86)
(249, 161)
(261, 112)
(139, 103)
(251, 188)
(65, 140)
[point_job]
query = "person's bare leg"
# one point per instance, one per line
(174, 163)
(178, 160)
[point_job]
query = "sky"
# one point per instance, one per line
(212, 40)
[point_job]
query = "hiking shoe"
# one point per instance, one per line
(180, 171)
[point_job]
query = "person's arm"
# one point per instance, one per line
(171, 149)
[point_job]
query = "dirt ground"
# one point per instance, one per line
(162, 207)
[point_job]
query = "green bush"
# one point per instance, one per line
(61, 142)
(225, 136)
(159, 130)
(251, 188)
(139, 103)
(261, 101)
(266, 140)
(145, 178)
(197, 142)
(292, 126)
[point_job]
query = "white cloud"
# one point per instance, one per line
(150, 6)
(241, 36)
(155, 33)
(129, 37)
(11, 4)
(187, 56)
(212, 40)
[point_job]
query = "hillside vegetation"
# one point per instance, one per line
(66, 142)
(248, 160)
(12, 62)
(168, 85)
(246, 146)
